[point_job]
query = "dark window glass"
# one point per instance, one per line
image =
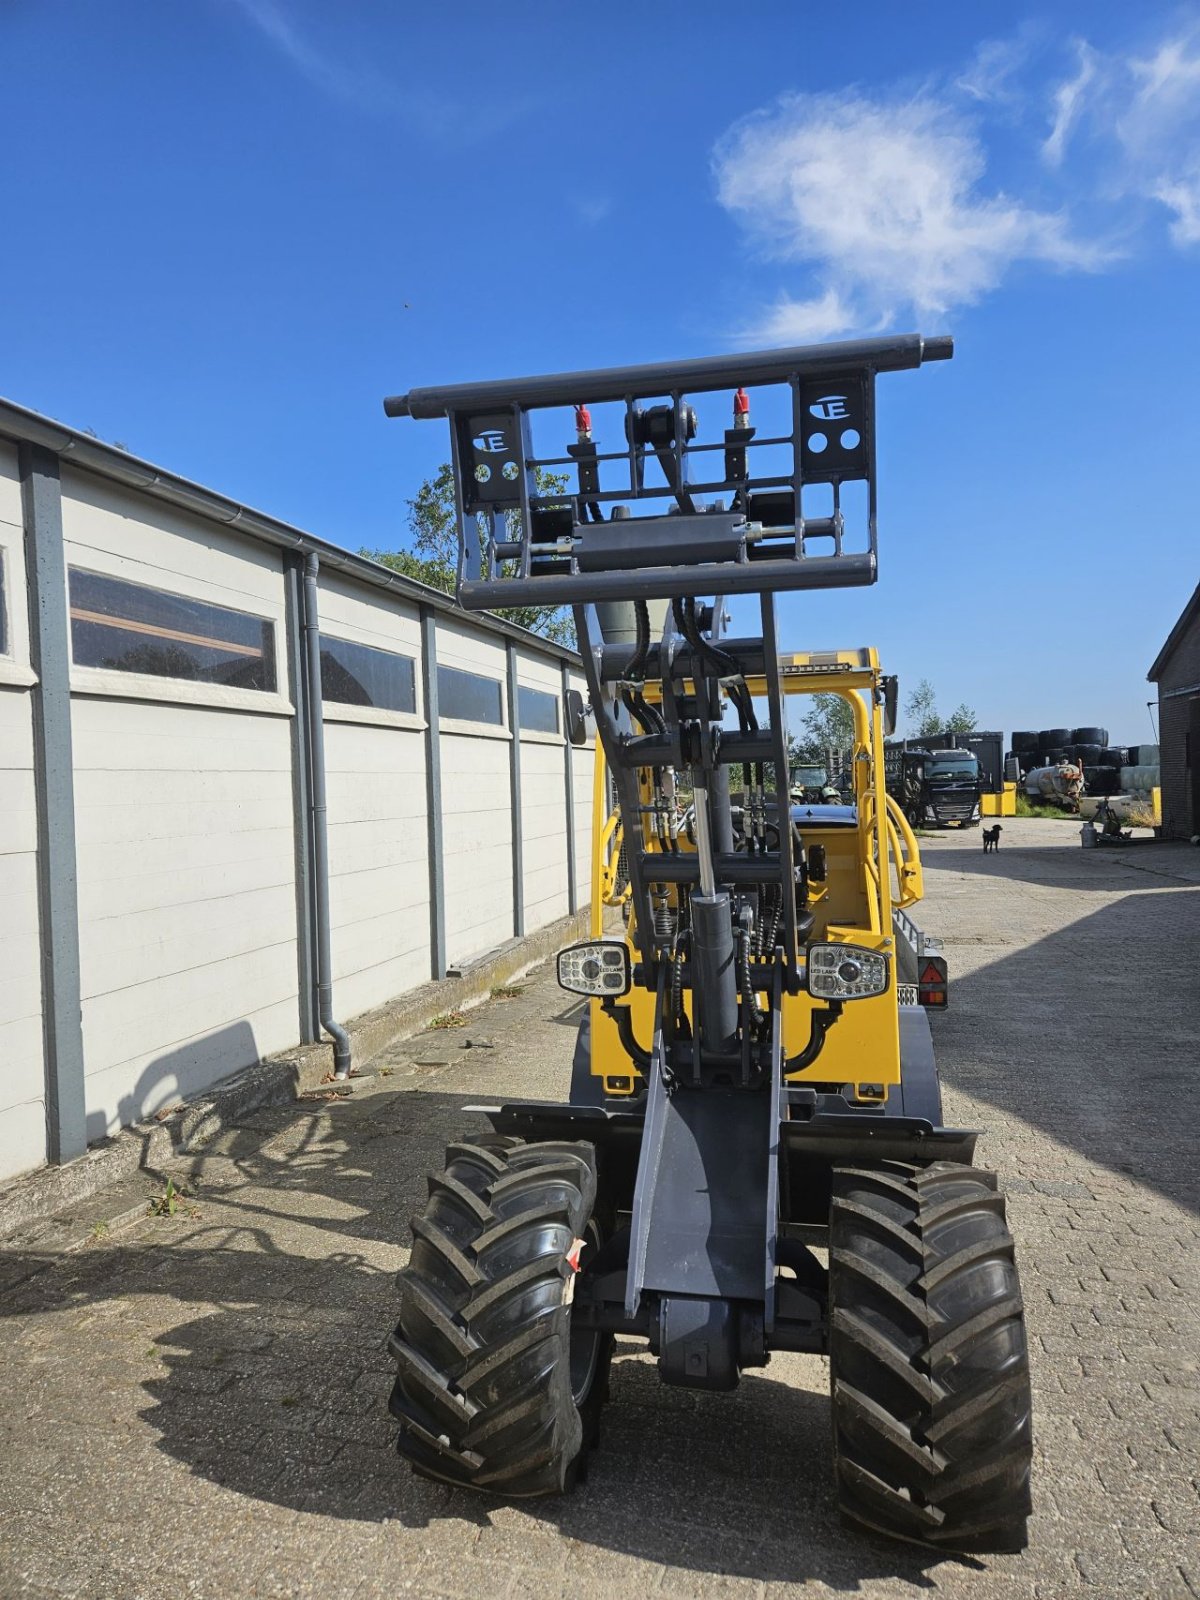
(537, 711)
(3, 606)
(128, 627)
(358, 675)
(469, 696)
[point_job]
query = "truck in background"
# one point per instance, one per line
(998, 773)
(939, 787)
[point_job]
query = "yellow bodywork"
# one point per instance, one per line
(872, 868)
(1003, 804)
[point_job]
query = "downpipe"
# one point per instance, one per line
(320, 829)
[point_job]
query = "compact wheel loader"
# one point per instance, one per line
(753, 1156)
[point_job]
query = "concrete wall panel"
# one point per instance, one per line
(10, 486)
(379, 865)
(478, 844)
(544, 831)
(129, 535)
(186, 895)
(22, 1068)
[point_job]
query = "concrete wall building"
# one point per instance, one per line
(156, 787)
(1176, 671)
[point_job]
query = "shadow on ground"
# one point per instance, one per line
(270, 1309)
(1106, 870)
(275, 1383)
(1089, 1034)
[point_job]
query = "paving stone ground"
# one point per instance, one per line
(196, 1406)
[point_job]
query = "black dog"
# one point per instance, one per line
(991, 838)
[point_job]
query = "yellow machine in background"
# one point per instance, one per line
(872, 867)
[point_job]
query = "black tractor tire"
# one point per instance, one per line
(1089, 736)
(1113, 756)
(1105, 781)
(492, 1390)
(929, 1366)
(1054, 738)
(1052, 757)
(1024, 741)
(1087, 755)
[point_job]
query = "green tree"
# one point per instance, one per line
(432, 554)
(920, 711)
(828, 725)
(924, 719)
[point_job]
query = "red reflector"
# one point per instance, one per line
(931, 987)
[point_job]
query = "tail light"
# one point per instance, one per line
(931, 983)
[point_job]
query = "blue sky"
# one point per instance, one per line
(233, 225)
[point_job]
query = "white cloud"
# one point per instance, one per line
(791, 321)
(591, 209)
(1182, 196)
(359, 86)
(1068, 103)
(357, 82)
(1141, 115)
(883, 202)
(995, 63)
(1158, 128)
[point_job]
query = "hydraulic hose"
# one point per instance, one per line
(822, 1021)
(623, 1018)
(746, 982)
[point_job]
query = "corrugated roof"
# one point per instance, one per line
(21, 425)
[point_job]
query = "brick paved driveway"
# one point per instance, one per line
(195, 1406)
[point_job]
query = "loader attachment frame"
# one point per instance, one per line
(736, 1101)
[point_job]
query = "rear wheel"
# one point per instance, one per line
(494, 1390)
(928, 1360)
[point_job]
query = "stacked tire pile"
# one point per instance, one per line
(1107, 769)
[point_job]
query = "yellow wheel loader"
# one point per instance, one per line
(753, 1156)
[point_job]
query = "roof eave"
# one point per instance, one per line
(23, 426)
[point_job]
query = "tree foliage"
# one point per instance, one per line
(924, 720)
(828, 725)
(432, 553)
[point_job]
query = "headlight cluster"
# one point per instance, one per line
(599, 967)
(845, 972)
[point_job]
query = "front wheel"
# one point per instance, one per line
(494, 1390)
(928, 1361)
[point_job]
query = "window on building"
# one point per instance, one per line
(469, 696)
(3, 602)
(537, 711)
(129, 627)
(359, 675)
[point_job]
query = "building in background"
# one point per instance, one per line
(1176, 671)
